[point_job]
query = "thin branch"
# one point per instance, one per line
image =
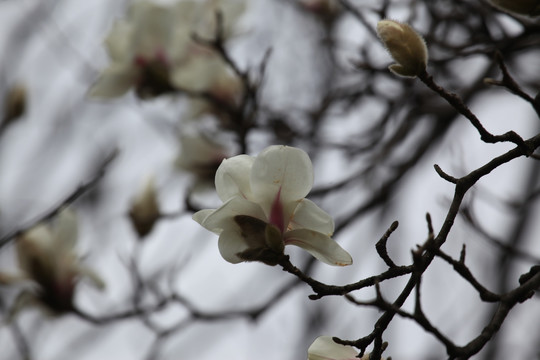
(511, 85)
(465, 272)
(381, 245)
(458, 104)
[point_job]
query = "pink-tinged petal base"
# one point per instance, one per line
(321, 246)
(276, 213)
(281, 168)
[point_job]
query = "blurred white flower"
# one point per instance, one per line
(144, 212)
(200, 155)
(47, 258)
(264, 209)
(153, 51)
(140, 53)
(324, 348)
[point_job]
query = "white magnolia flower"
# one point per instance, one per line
(324, 348)
(140, 53)
(153, 51)
(264, 209)
(47, 258)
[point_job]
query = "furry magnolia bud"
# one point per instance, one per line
(405, 45)
(144, 211)
(522, 7)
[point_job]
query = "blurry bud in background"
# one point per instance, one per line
(144, 212)
(47, 260)
(521, 7)
(14, 105)
(200, 155)
(405, 45)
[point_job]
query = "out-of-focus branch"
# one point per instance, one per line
(68, 200)
(511, 85)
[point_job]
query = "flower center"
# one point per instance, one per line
(153, 79)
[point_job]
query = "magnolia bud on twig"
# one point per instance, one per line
(405, 45)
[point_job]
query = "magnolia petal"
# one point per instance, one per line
(231, 15)
(65, 231)
(232, 178)
(117, 42)
(321, 246)
(152, 27)
(35, 243)
(324, 348)
(201, 215)
(198, 151)
(230, 244)
(179, 50)
(222, 219)
(184, 11)
(308, 215)
(199, 73)
(281, 168)
(115, 81)
(206, 24)
(184, 15)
